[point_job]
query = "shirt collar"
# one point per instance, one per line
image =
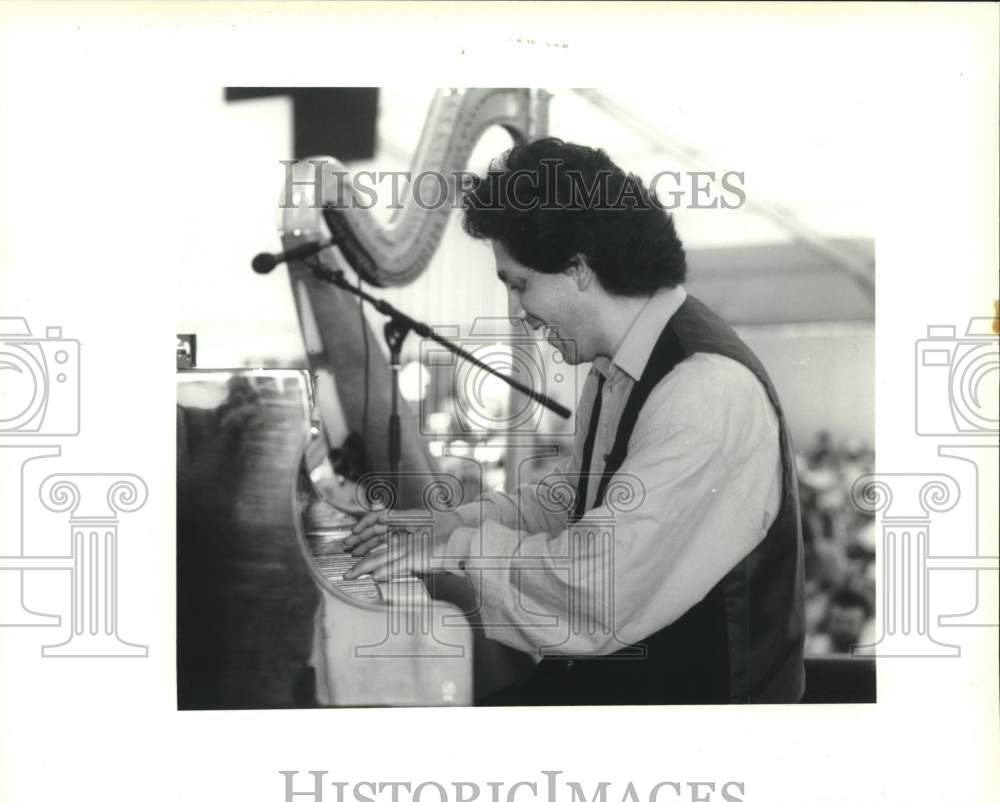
(634, 352)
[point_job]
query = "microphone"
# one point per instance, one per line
(266, 262)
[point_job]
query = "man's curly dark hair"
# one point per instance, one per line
(549, 200)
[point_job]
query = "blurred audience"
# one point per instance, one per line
(839, 547)
(847, 623)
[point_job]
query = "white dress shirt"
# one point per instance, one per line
(704, 458)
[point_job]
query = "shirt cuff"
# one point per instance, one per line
(456, 550)
(482, 555)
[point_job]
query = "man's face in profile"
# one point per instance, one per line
(549, 301)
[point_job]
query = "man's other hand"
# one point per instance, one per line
(403, 553)
(372, 529)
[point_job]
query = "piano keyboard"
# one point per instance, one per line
(326, 547)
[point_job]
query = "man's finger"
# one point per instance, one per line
(369, 564)
(399, 561)
(367, 545)
(399, 550)
(366, 520)
(375, 530)
(393, 568)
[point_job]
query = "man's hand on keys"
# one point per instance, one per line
(403, 552)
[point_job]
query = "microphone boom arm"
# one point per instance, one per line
(406, 323)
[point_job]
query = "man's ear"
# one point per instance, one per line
(579, 269)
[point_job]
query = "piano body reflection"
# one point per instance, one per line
(265, 618)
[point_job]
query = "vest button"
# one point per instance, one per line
(607, 455)
(568, 664)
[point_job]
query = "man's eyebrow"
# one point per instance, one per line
(502, 276)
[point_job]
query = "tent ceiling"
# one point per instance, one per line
(808, 223)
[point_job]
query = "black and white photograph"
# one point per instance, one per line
(642, 516)
(499, 402)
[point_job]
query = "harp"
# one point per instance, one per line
(384, 254)
(390, 254)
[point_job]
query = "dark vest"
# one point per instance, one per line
(743, 641)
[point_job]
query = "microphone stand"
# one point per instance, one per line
(395, 332)
(398, 326)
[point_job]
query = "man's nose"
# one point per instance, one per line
(517, 312)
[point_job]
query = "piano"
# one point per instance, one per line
(265, 618)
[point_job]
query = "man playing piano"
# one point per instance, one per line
(695, 596)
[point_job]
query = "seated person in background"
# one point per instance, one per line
(848, 622)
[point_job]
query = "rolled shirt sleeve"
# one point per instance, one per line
(528, 508)
(697, 492)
